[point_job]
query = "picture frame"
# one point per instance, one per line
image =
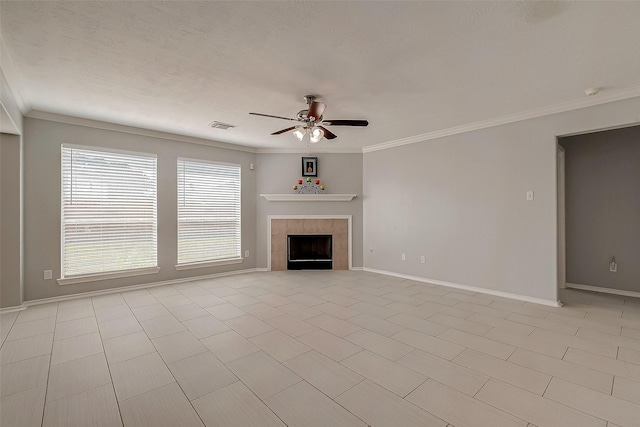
(309, 166)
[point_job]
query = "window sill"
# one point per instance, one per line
(106, 276)
(205, 264)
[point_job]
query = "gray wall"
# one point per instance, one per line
(603, 208)
(42, 140)
(277, 173)
(460, 202)
(10, 244)
(10, 106)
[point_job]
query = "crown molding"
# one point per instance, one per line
(96, 124)
(603, 98)
(306, 150)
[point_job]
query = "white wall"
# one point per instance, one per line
(460, 202)
(42, 140)
(277, 173)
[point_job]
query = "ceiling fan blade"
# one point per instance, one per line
(275, 117)
(316, 109)
(283, 130)
(345, 122)
(327, 133)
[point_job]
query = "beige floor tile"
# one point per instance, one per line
(37, 312)
(302, 404)
(381, 408)
(226, 311)
(240, 300)
(601, 405)
(602, 363)
(562, 328)
(188, 311)
(376, 310)
(339, 299)
(459, 409)
(248, 326)
(388, 374)
(202, 327)
(334, 325)
(279, 346)
(329, 345)
(235, 406)
(161, 326)
(263, 311)
(337, 310)
(127, 347)
(300, 311)
(163, 291)
(77, 376)
(531, 407)
(274, 300)
(137, 376)
(172, 301)
(505, 324)
(74, 328)
(23, 409)
(451, 374)
(535, 344)
(76, 348)
(563, 369)
(140, 300)
(23, 375)
(460, 324)
(372, 299)
(164, 407)
(306, 299)
(74, 310)
(193, 291)
(108, 300)
(606, 339)
(291, 325)
(629, 355)
(484, 345)
(201, 374)
(326, 375)
(26, 348)
(433, 345)
(118, 327)
(111, 313)
(223, 291)
(505, 371)
(229, 346)
(178, 346)
(150, 312)
(32, 328)
(379, 344)
(207, 300)
(630, 332)
(606, 349)
(96, 407)
(627, 389)
(484, 309)
(377, 325)
(263, 374)
(417, 324)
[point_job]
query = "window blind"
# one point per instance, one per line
(208, 211)
(109, 211)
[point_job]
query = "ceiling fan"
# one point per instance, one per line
(312, 122)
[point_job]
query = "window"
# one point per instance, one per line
(109, 211)
(208, 211)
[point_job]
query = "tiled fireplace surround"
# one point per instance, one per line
(339, 228)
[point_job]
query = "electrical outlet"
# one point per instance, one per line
(404, 257)
(529, 195)
(613, 267)
(423, 259)
(246, 254)
(48, 274)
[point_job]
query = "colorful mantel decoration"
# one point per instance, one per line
(308, 186)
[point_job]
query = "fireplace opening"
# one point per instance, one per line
(309, 252)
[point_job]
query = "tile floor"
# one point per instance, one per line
(321, 349)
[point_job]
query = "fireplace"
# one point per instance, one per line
(309, 252)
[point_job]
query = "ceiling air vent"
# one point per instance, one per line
(220, 125)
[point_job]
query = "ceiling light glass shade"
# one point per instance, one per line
(316, 135)
(299, 133)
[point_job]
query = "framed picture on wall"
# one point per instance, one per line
(309, 166)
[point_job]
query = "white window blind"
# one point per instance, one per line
(208, 211)
(109, 211)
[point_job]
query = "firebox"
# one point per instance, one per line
(309, 252)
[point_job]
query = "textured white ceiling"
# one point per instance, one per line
(410, 68)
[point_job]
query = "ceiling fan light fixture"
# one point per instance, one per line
(316, 135)
(299, 133)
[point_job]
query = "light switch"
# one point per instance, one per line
(530, 195)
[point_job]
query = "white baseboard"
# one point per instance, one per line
(603, 290)
(27, 304)
(469, 288)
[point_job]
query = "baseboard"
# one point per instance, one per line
(12, 309)
(468, 288)
(603, 290)
(27, 304)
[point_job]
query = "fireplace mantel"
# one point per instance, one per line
(309, 197)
